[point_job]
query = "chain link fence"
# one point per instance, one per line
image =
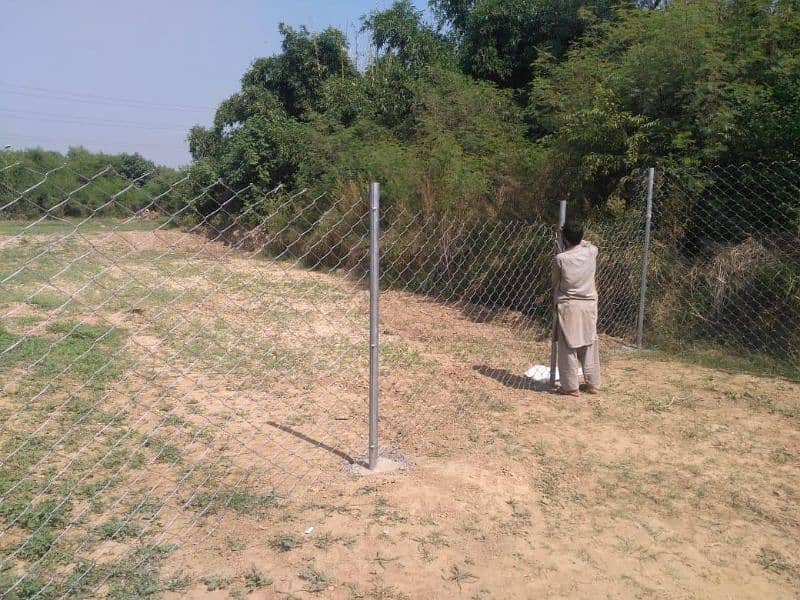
(174, 353)
(496, 269)
(725, 268)
(158, 371)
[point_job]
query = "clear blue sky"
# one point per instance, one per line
(122, 76)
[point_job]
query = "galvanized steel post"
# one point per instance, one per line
(374, 291)
(646, 258)
(562, 218)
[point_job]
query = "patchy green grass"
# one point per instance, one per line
(163, 451)
(68, 225)
(774, 561)
(74, 351)
(30, 586)
(68, 355)
(255, 579)
(26, 321)
(500, 406)
(119, 530)
(714, 357)
(789, 407)
(133, 576)
(137, 575)
(285, 542)
(177, 582)
(324, 540)
(460, 576)
(385, 513)
(242, 502)
(94, 405)
(399, 355)
(315, 580)
(216, 582)
(58, 376)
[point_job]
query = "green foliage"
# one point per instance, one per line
(437, 139)
(243, 502)
(598, 89)
(259, 134)
(402, 35)
(118, 530)
(296, 76)
(82, 184)
(499, 40)
(345, 99)
(135, 575)
(264, 151)
(472, 148)
(735, 273)
(136, 168)
(285, 542)
(692, 84)
(30, 586)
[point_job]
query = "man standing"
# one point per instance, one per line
(576, 303)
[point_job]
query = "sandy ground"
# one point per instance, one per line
(675, 482)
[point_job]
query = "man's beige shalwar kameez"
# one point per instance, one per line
(576, 302)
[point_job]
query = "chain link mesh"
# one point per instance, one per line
(158, 371)
(172, 355)
(726, 260)
(495, 269)
(618, 232)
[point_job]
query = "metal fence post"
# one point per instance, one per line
(562, 218)
(374, 291)
(646, 257)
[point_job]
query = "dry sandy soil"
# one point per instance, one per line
(243, 387)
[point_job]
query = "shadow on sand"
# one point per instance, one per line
(313, 442)
(517, 382)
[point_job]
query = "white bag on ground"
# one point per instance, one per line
(541, 373)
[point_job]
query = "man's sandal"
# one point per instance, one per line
(563, 392)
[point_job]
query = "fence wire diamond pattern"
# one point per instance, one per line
(173, 355)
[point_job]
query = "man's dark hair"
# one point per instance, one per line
(573, 232)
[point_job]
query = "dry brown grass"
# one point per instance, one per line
(729, 269)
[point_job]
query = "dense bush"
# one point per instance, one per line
(729, 264)
(81, 183)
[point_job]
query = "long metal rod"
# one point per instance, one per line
(562, 218)
(374, 318)
(651, 173)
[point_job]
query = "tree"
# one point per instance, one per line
(761, 40)
(453, 13)
(607, 87)
(259, 133)
(689, 84)
(296, 76)
(136, 168)
(81, 184)
(499, 40)
(400, 33)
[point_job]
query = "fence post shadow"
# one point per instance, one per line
(302, 436)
